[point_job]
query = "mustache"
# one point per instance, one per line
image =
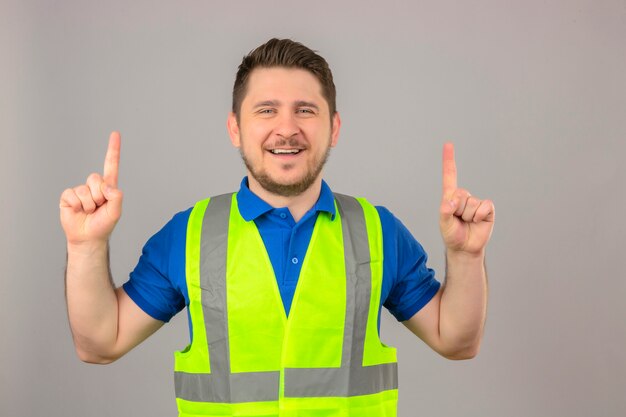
(291, 142)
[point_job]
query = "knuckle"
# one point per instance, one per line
(463, 194)
(81, 190)
(94, 178)
(68, 198)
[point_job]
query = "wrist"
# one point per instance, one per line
(453, 255)
(87, 248)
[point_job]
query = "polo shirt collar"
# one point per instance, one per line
(252, 206)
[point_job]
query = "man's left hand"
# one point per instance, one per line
(466, 222)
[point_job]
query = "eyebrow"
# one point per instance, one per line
(302, 103)
(272, 103)
(276, 103)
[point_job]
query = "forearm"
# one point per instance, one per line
(463, 306)
(91, 301)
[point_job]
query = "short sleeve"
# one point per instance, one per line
(157, 284)
(408, 283)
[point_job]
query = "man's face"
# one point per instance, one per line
(284, 131)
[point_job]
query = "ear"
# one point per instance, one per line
(233, 129)
(336, 126)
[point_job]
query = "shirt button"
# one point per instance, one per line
(294, 260)
(283, 215)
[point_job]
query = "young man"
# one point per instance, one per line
(283, 280)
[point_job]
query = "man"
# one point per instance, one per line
(262, 345)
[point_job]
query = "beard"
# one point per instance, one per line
(282, 189)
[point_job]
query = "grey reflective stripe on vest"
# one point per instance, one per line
(349, 380)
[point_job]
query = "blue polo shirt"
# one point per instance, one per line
(158, 285)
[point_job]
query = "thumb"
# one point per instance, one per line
(114, 199)
(446, 212)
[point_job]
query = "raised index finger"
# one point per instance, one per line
(449, 170)
(112, 160)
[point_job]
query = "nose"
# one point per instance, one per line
(287, 125)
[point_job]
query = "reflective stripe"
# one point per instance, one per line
(213, 282)
(340, 382)
(352, 378)
(235, 388)
(220, 386)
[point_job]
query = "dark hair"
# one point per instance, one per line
(288, 54)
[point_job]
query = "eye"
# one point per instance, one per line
(305, 110)
(265, 111)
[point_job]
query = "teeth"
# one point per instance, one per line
(285, 151)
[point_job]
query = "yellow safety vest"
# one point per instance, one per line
(247, 358)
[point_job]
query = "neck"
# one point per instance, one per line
(298, 205)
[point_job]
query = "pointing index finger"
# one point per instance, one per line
(449, 170)
(112, 159)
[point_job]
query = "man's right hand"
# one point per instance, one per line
(89, 212)
(105, 322)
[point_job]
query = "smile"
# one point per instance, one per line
(285, 151)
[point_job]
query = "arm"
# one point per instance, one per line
(105, 322)
(452, 322)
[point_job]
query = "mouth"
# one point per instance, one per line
(282, 151)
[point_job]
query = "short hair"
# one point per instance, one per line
(284, 53)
